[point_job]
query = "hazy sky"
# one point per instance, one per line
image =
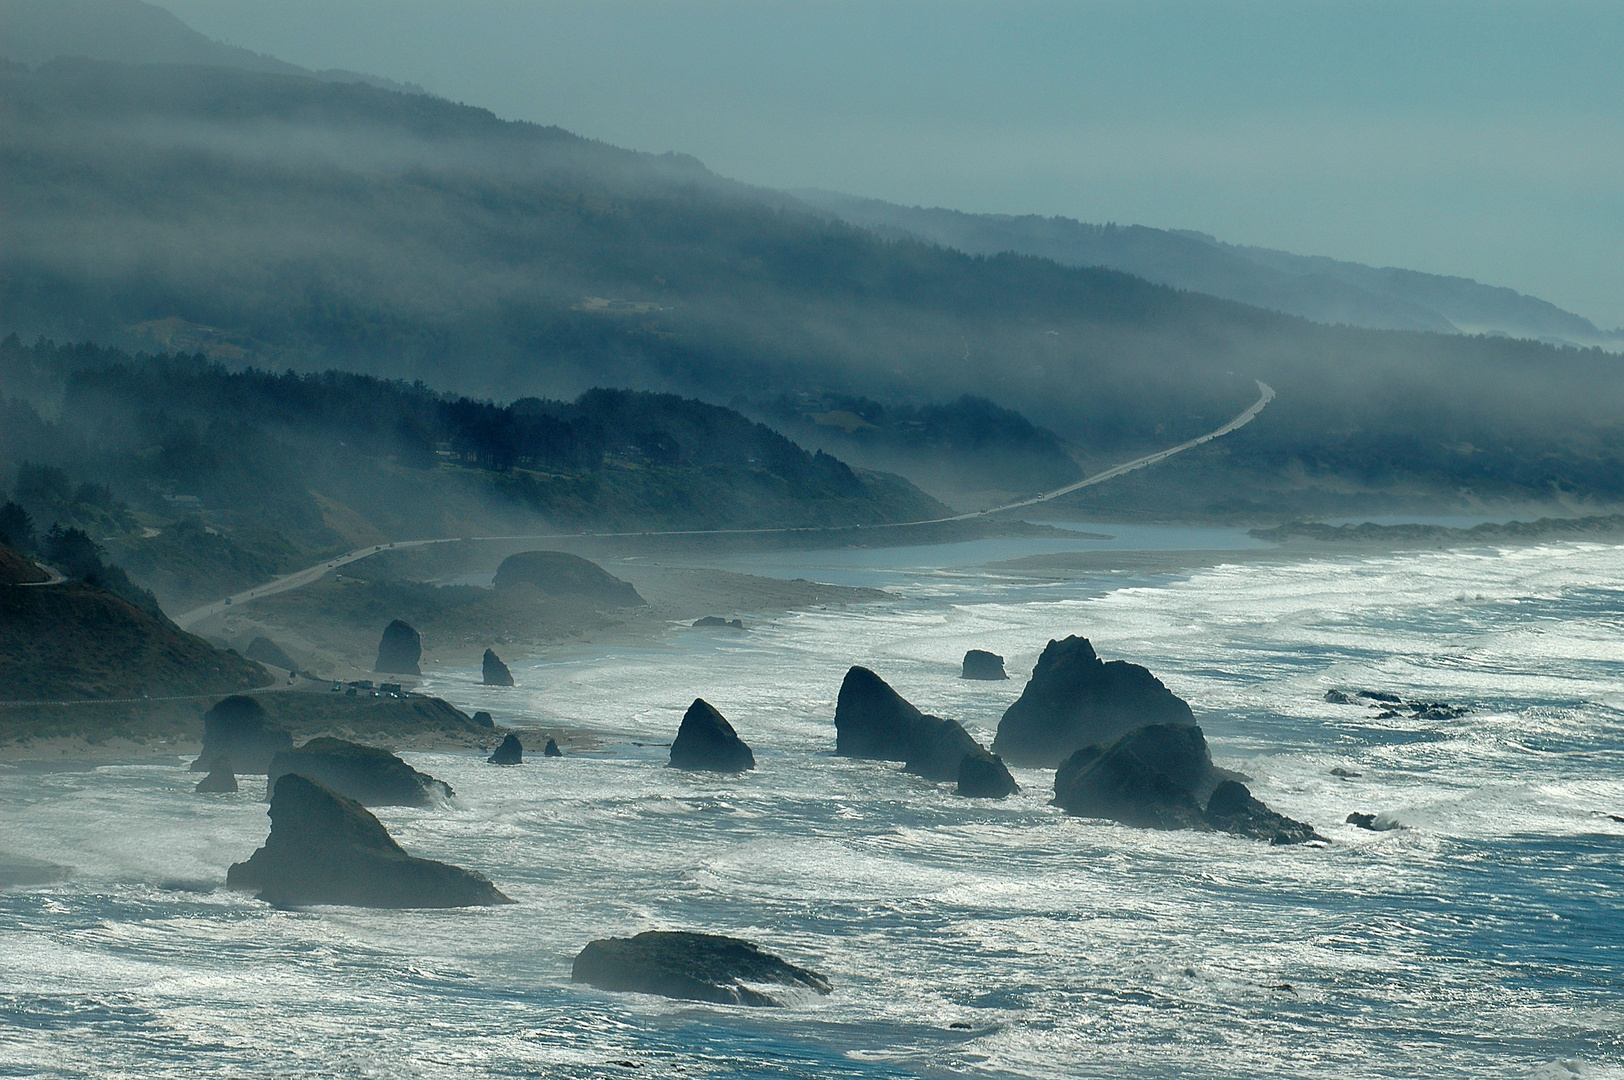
(1475, 138)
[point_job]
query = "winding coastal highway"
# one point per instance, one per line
(300, 578)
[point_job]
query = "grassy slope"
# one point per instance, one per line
(74, 640)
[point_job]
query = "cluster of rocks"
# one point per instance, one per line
(1391, 706)
(874, 721)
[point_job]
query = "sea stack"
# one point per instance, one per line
(399, 650)
(509, 753)
(1158, 777)
(496, 672)
(366, 774)
(220, 781)
(706, 742)
(325, 848)
(693, 967)
(551, 750)
(874, 721)
(983, 665)
(1075, 700)
(239, 731)
(984, 776)
(561, 575)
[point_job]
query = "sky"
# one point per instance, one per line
(1482, 139)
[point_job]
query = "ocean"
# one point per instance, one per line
(1481, 936)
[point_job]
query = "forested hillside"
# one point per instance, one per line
(197, 478)
(289, 222)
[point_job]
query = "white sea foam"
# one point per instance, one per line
(1482, 938)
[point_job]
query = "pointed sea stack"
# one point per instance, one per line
(706, 742)
(874, 721)
(496, 672)
(327, 849)
(983, 665)
(1076, 700)
(983, 776)
(509, 753)
(220, 781)
(366, 774)
(551, 750)
(238, 730)
(693, 967)
(399, 650)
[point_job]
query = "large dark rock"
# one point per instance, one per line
(707, 742)
(874, 721)
(981, 664)
(551, 749)
(511, 752)
(237, 729)
(367, 774)
(1076, 700)
(483, 719)
(220, 781)
(399, 650)
(496, 673)
(1148, 778)
(695, 967)
(1158, 777)
(559, 574)
(984, 776)
(1232, 809)
(266, 651)
(325, 848)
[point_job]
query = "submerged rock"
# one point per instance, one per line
(1344, 774)
(1375, 824)
(559, 574)
(874, 721)
(483, 719)
(1157, 777)
(237, 729)
(551, 750)
(712, 622)
(509, 753)
(220, 781)
(980, 664)
(694, 967)
(1393, 706)
(707, 742)
(983, 776)
(399, 650)
(325, 848)
(367, 774)
(1075, 700)
(496, 673)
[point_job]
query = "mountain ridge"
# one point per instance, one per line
(1315, 287)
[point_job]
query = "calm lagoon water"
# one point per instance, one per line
(1484, 938)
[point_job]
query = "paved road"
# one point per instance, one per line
(56, 577)
(313, 573)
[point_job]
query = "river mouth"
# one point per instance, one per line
(1481, 937)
